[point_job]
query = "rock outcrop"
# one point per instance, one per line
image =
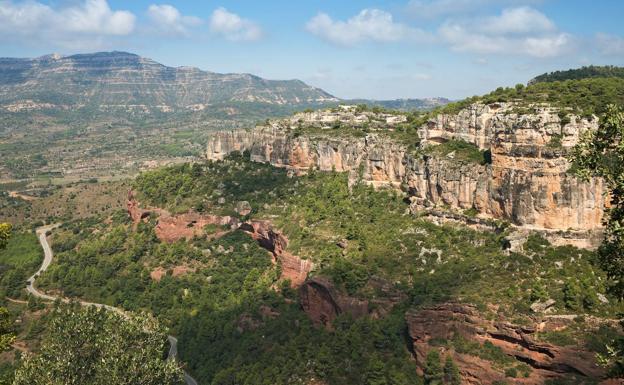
(323, 301)
(294, 269)
(170, 228)
(450, 321)
(526, 183)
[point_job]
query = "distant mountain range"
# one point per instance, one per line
(403, 104)
(108, 81)
(121, 82)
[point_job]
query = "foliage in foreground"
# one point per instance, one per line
(601, 153)
(99, 347)
(6, 328)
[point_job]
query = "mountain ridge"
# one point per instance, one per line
(121, 79)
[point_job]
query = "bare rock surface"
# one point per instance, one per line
(527, 182)
(448, 320)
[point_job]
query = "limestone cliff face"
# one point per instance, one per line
(379, 161)
(526, 182)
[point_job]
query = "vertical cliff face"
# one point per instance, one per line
(376, 160)
(526, 183)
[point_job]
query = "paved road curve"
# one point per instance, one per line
(47, 260)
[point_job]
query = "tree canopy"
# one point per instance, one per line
(5, 234)
(90, 346)
(601, 153)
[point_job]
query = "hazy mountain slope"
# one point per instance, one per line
(403, 104)
(114, 79)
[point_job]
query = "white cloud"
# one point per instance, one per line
(368, 25)
(233, 27)
(518, 20)
(437, 8)
(610, 44)
(168, 20)
(520, 30)
(73, 26)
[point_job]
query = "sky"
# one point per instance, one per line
(352, 49)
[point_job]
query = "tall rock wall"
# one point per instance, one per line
(526, 183)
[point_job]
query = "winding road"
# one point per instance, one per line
(47, 260)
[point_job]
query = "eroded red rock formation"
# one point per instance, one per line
(170, 228)
(136, 213)
(446, 321)
(323, 302)
(293, 268)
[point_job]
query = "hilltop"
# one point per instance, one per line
(585, 91)
(580, 73)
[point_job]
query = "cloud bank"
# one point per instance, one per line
(368, 25)
(168, 20)
(73, 26)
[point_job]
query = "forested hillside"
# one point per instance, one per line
(220, 288)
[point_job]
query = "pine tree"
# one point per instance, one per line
(433, 369)
(451, 372)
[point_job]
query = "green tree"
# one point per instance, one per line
(6, 324)
(601, 153)
(433, 369)
(6, 327)
(451, 372)
(5, 234)
(94, 346)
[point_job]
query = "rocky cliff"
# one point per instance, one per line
(526, 182)
(465, 325)
(170, 228)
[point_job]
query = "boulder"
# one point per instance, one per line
(541, 307)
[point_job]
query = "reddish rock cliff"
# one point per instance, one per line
(323, 302)
(293, 268)
(447, 321)
(170, 228)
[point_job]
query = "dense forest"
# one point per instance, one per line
(580, 73)
(225, 292)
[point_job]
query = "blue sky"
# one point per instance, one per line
(352, 49)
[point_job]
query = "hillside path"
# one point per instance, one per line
(47, 260)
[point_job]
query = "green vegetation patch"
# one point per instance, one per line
(221, 292)
(460, 151)
(586, 72)
(19, 260)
